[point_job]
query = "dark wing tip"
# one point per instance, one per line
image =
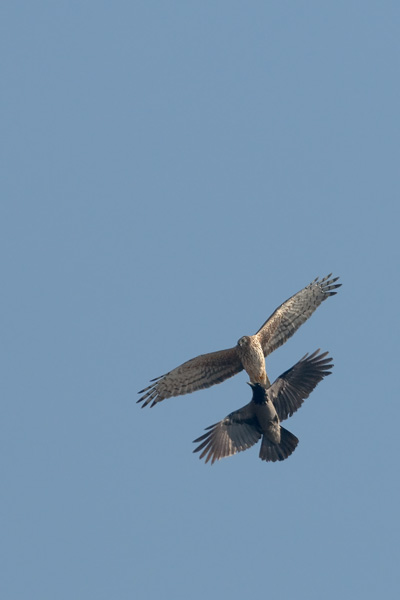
(327, 285)
(151, 395)
(145, 401)
(321, 358)
(200, 439)
(322, 361)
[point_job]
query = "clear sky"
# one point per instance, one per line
(171, 173)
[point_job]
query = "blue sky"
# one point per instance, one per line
(171, 173)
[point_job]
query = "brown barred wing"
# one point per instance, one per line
(290, 315)
(195, 374)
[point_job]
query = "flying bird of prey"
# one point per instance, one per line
(262, 416)
(250, 351)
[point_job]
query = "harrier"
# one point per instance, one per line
(250, 351)
(262, 416)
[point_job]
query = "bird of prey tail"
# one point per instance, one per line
(250, 351)
(261, 417)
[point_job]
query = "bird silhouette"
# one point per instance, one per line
(261, 417)
(250, 351)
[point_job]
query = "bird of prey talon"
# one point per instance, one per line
(261, 418)
(248, 354)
